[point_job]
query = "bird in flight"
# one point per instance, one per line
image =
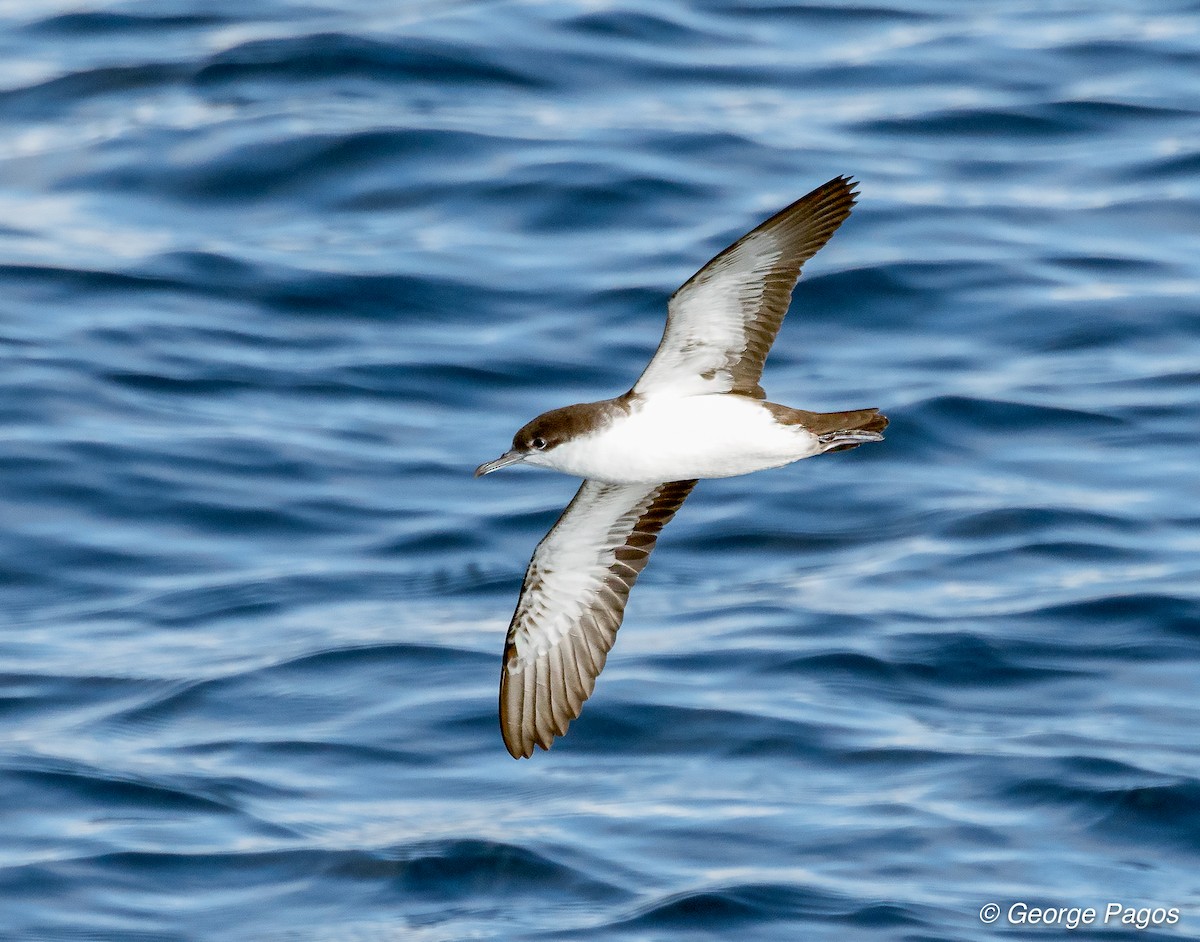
(697, 411)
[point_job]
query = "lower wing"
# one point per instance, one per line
(572, 602)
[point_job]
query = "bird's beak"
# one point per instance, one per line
(509, 457)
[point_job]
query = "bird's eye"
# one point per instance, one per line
(538, 444)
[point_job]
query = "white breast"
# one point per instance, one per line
(677, 439)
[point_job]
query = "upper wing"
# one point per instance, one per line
(723, 320)
(572, 602)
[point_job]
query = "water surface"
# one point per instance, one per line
(275, 277)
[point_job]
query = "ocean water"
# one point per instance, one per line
(276, 276)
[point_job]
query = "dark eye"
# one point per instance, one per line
(538, 444)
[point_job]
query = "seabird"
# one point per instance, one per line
(696, 412)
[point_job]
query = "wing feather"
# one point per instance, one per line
(722, 321)
(572, 603)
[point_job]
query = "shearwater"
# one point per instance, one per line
(696, 412)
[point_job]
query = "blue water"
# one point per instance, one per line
(274, 278)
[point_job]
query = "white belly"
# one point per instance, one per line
(666, 439)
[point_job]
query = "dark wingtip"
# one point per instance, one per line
(844, 181)
(516, 748)
(849, 186)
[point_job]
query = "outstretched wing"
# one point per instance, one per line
(572, 602)
(723, 320)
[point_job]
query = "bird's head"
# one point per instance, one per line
(541, 441)
(535, 440)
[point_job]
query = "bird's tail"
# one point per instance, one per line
(836, 431)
